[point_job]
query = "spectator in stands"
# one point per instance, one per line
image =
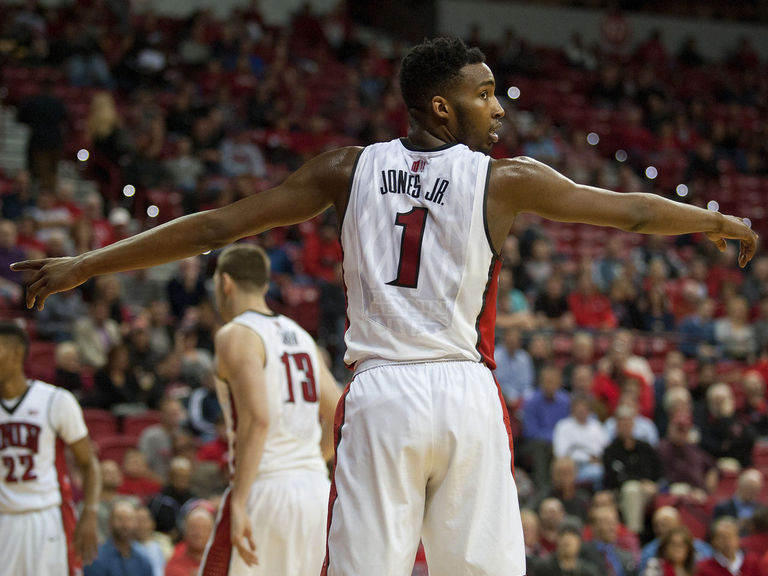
(590, 308)
(625, 538)
(551, 515)
(166, 506)
(184, 168)
(20, 198)
(96, 334)
(10, 283)
(539, 266)
(187, 287)
(45, 114)
(563, 486)
(643, 428)
(566, 558)
(723, 435)
(156, 441)
(551, 305)
(582, 354)
(241, 157)
(121, 553)
(530, 522)
(69, 369)
(727, 558)
(745, 500)
(51, 221)
(655, 311)
(755, 286)
(666, 522)
(697, 330)
(581, 438)
(149, 541)
(603, 549)
(188, 554)
(514, 368)
(676, 555)
(610, 266)
(541, 412)
(111, 479)
(760, 325)
(115, 384)
(56, 321)
(632, 467)
(138, 479)
(203, 405)
(754, 411)
(688, 469)
(734, 333)
(109, 143)
(756, 539)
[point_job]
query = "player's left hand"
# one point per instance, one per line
(242, 535)
(86, 537)
(736, 229)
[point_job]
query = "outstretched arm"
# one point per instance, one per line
(240, 358)
(322, 181)
(526, 185)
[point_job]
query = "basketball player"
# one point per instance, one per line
(272, 386)
(37, 421)
(423, 444)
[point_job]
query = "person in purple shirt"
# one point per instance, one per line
(545, 408)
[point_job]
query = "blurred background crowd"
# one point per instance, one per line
(634, 367)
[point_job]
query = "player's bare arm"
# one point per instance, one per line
(86, 533)
(240, 359)
(329, 399)
(526, 185)
(315, 186)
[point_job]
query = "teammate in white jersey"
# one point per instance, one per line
(37, 422)
(274, 389)
(422, 447)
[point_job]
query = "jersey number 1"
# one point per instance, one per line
(304, 363)
(413, 223)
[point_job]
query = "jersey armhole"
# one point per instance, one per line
(350, 187)
(486, 187)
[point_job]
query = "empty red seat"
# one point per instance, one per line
(100, 423)
(134, 424)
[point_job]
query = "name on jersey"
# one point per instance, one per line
(19, 435)
(401, 182)
(289, 338)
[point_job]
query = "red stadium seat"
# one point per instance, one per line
(100, 423)
(134, 424)
(115, 447)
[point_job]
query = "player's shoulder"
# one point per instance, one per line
(515, 168)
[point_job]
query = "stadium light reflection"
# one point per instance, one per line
(682, 190)
(621, 155)
(83, 155)
(513, 92)
(153, 211)
(128, 190)
(593, 138)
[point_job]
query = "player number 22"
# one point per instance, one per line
(413, 223)
(26, 463)
(303, 363)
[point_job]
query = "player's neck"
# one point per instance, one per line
(13, 387)
(252, 302)
(428, 138)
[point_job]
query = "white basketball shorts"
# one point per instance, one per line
(424, 451)
(33, 543)
(288, 512)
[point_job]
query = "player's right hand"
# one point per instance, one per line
(48, 276)
(736, 229)
(242, 535)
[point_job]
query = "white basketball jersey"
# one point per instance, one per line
(419, 269)
(34, 431)
(292, 382)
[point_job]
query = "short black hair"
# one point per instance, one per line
(13, 330)
(432, 67)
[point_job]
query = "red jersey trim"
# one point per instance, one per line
(485, 326)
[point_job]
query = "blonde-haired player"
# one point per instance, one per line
(274, 389)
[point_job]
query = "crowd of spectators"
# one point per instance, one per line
(633, 367)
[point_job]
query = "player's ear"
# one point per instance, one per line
(440, 107)
(227, 283)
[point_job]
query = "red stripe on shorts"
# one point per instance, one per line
(338, 422)
(219, 552)
(68, 516)
(507, 425)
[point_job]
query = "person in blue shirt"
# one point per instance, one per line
(120, 555)
(546, 407)
(514, 368)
